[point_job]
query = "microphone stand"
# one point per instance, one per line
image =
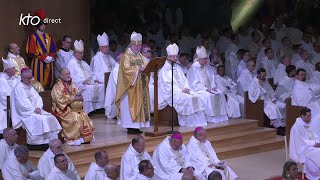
(172, 110)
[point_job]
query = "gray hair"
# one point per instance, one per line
(24, 73)
(53, 142)
(21, 151)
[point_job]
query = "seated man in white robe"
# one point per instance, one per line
(109, 103)
(246, 78)
(18, 166)
(266, 44)
(97, 169)
(146, 171)
(232, 47)
(285, 87)
(112, 171)
(26, 110)
(274, 110)
(243, 63)
(8, 81)
(204, 158)
(235, 102)
(63, 55)
(7, 145)
(269, 63)
(188, 104)
(215, 61)
(171, 159)
(46, 161)
(305, 93)
(60, 171)
(102, 62)
(280, 72)
(232, 63)
(316, 74)
(85, 80)
(304, 146)
(132, 157)
(305, 64)
(254, 46)
(202, 82)
(185, 63)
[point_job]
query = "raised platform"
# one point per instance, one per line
(234, 138)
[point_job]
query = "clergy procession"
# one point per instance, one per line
(207, 79)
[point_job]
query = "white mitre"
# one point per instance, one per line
(136, 38)
(172, 50)
(78, 46)
(7, 64)
(201, 53)
(103, 40)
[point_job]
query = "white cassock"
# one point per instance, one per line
(235, 102)
(295, 58)
(307, 46)
(202, 155)
(241, 66)
(190, 107)
(244, 81)
(279, 74)
(295, 35)
(272, 108)
(276, 45)
(223, 43)
(5, 150)
(101, 64)
(306, 66)
(306, 94)
(143, 177)
(93, 96)
(231, 48)
(231, 66)
(62, 60)
(270, 65)
(14, 170)
(130, 161)
(200, 80)
(302, 150)
(260, 55)
(46, 164)
(109, 103)
(57, 174)
(284, 89)
(168, 162)
(315, 77)
(282, 32)
(254, 48)
(40, 127)
(96, 172)
(7, 85)
(314, 57)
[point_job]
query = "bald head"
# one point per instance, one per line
(55, 146)
(14, 48)
(101, 158)
(188, 177)
(200, 134)
(65, 74)
(112, 171)
(139, 143)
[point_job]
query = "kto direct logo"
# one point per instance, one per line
(35, 20)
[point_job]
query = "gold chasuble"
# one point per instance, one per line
(75, 123)
(137, 88)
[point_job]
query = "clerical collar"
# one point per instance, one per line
(66, 50)
(40, 32)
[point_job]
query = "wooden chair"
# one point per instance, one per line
(165, 116)
(254, 110)
(106, 79)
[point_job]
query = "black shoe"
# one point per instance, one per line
(86, 142)
(133, 131)
(281, 131)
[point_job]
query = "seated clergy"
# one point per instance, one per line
(202, 82)
(269, 63)
(112, 171)
(204, 158)
(109, 102)
(97, 169)
(19, 64)
(261, 89)
(146, 171)
(285, 87)
(7, 145)
(280, 72)
(84, 79)
(46, 161)
(246, 78)
(132, 157)
(26, 110)
(61, 170)
(304, 146)
(316, 74)
(305, 64)
(102, 62)
(67, 103)
(171, 158)
(18, 166)
(228, 87)
(8, 81)
(187, 103)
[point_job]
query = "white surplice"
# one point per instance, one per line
(46, 164)
(260, 55)
(143, 177)
(315, 77)
(284, 89)
(307, 46)
(109, 103)
(40, 127)
(190, 107)
(14, 170)
(270, 65)
(96, 172)
(130, 161)
(302, 150)
(235, 103)
(244, 81)
(231, 66)
(202, 155)
(61, 61)
(57, 174)
(232, 48)
(7, 85)
(201, 80)
(101, 64)
(279, 74)
(241, 66)
(5, 150)
(295, 35)
(306, 66)
(272, 108)
(314, 57)
(93, 96)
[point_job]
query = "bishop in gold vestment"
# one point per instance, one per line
(67, 105)
(132, 97)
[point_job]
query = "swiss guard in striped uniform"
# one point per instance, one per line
(41, 49)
